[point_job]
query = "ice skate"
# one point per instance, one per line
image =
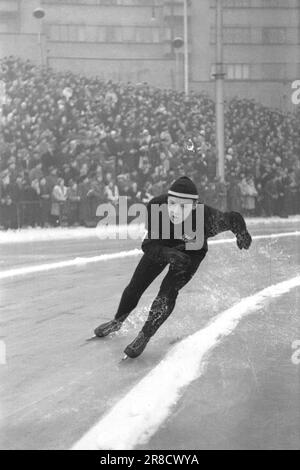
(107, 328)
(137, 346)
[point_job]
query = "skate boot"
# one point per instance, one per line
(107, 328)
(137, 346)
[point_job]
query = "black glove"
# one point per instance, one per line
(164, 255)
(178, 260)
(239, 228)
(243, 240)
(180, 278)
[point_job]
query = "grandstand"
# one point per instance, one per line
(70, 142)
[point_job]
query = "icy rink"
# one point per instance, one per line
(56, 386)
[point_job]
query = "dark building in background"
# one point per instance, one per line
(131, 40)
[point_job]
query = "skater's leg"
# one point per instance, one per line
(165, 301)
(163, 305)
(143, 276)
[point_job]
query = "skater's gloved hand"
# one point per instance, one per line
(239, 228)
(178, 260)
(243, 240)
(164, 255)
(179, 278)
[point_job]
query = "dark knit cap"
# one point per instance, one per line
(184, 188)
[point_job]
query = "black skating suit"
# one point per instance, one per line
(158, 253)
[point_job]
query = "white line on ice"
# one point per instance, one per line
(26, 270)
(137, 416)
(65, 264)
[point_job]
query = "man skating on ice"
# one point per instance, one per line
(182, 202)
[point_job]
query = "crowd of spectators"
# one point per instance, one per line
(69, 142)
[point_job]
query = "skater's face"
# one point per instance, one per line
(179, 209)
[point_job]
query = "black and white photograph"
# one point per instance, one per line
(149, 228)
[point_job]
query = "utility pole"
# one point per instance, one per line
(219, 76)
(39, 14)
(186, 46)
(177, 44)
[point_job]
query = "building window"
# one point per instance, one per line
(238, 72)
(9, 6)
(8, 26)
(248, 35)
(112, 34)
(273, 71)
(233, 71)
(257, 3)
(273, 35)
(104, 2)
(236, 3)
(233, 3)
(232, 35)
(108, 34)
(273, 3)
(128, 34)
(3, 27)
(237, 35)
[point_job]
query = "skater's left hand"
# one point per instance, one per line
(243, 240)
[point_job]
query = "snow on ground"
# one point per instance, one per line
(136, 231)
(68, 233)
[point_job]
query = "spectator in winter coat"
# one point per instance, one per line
(291, 193)
(126, 191)
(31, 204)
(112, 193)
(145, 195)
(234, 196)
(7, 210)
(59, 195)
(17, 190)
(52, 178)
(271, 196)
(84, 187)
(36, 172)
(96, 194)
(45, 196)
(249, 194)
(73, 199)
(281, 187)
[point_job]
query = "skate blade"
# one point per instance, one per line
(92, 338)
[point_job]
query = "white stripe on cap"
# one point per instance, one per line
(183, 195)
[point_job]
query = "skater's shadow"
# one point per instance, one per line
(93, 338)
